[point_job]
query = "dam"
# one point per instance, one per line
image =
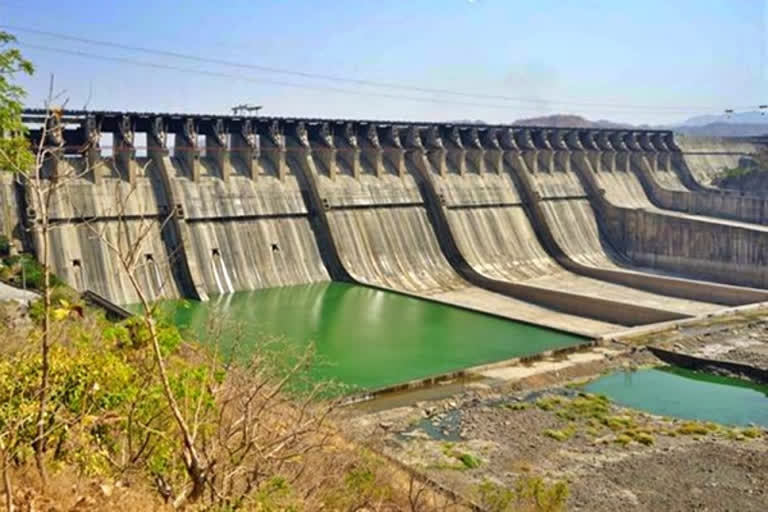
(583, 231)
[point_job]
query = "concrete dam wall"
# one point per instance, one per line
(508, 221)
(706, 157)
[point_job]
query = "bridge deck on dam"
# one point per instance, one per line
(503, 220)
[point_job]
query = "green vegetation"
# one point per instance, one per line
(107, 418)
(467, 460)
(530, 492)
(595, 417)
(14, 149)
(23, 270)
(758, 164)
(560, 435)
(5, 246)
(517, 406)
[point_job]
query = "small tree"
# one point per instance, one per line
(29, 165)
(14, 148)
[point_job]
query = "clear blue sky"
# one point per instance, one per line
(679, 57)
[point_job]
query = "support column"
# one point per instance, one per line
(392, 148)
(622, 152)
(588, 141)
(245, 148)
(157, 140)
(544, 153)
(524, 141)
(92, 135)
(470, 139)
(322, 147)
(455, 153)
(347, 147)
(492, 154)
(371, 148)
(216, 147)
(644, 141)
(607, 153)
(124, 151)
(186, 151)
(663, 155)
(272, 145)
(561, 155)
(414, 150)
(54, 144)
(295, 143)
(435, 150)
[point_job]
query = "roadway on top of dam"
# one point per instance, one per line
(31, 115)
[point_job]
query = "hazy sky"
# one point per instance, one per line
(652, 61)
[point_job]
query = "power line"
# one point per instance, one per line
(368, 83)
(324, 88)
(252, 79)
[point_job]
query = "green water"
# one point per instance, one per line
(368, 338)
(670, 391)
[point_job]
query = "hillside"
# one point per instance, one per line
(717, 126)
(722, 129)
(569, 121)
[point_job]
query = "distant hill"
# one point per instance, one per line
(720, 129)
(712, 126)
(741, 118)
(569, 121)
(743, 124)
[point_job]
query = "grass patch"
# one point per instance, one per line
(696, 428)
(578, 384)
(752, 432)
(644, 438)
(470, 461)
(561, 434)
(549, 403)
(530, 493)
(467, 460)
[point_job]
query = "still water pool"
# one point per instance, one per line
(670, 391)
(368, 338)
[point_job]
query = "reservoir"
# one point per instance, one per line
(671, 391)
(367, 338)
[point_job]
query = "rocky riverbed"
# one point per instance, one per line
(542, 427)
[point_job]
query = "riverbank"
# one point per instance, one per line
(530, 422)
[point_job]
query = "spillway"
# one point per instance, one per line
(489, 222)
(623, 187)
(382, 231)
(247, 221)
(86, 234)
(557, 227)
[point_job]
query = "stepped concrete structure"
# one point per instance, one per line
(586, 230)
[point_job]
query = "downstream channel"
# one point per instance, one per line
(681, 393)
(367, 338)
